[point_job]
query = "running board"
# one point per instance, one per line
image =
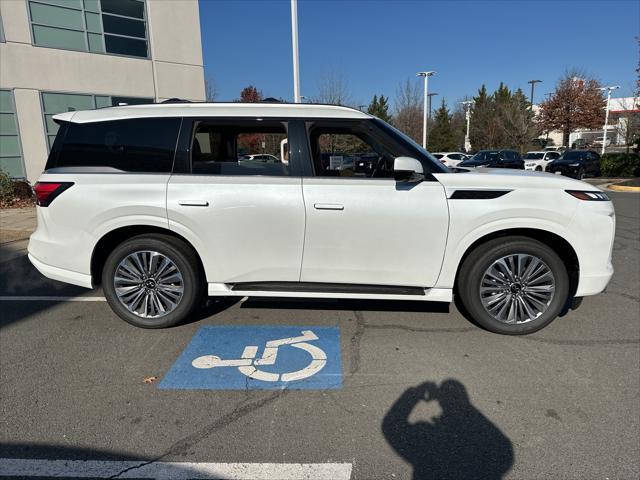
(324, 290)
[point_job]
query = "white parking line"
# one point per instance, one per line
(49, 298)
(174, 470)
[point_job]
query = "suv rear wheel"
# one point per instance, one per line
(513, 285)
(152, 281)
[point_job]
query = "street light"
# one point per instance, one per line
(467, 107)
(426, 76)
(294, 44)
(533, 83)
(606, 115)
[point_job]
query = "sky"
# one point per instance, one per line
(376, 45)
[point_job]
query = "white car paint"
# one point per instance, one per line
(539, 164)
(451, 159)
(315, 229)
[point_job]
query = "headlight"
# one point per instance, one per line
(574, 164)
(589, 195)
(531, 164)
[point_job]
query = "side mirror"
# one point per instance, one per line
(407, 169)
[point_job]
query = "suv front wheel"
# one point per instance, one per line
(152, 281)
(513, 285)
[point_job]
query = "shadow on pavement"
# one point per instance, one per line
(32, 458)
(459, 444)
(341, 304)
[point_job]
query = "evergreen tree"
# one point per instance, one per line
(442, 137)
(379, 107)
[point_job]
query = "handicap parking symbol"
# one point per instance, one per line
(258, 357)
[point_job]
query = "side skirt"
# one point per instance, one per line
(372, 292)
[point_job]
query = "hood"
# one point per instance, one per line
(508, 179)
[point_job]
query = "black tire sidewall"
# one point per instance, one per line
(480, 259)
(177, 253)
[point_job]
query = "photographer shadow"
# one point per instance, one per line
(459, 444)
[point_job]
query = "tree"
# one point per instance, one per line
(333, 89)
(442, 137)
(408, 109)
(210, 89)
(517, 121)
(379, 107)
(250, 94)
(576, 103)
(485, 129)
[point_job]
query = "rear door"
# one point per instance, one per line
(246, 217)
(364, 227)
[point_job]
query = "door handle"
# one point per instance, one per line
(328, 206)
(193, 203)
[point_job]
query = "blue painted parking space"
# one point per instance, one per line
(258, 357)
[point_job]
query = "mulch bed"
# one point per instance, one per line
(17, 203)
(634, 182)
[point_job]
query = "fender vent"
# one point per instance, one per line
(478, 194)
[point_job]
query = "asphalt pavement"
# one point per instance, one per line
(420, 393)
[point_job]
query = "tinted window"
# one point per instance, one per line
(123, 26)
(343, 150)
(240, 148)
(125, 46)
(487, 155)
(128, 8)
(439, 155)
(534, 156)
(573, 155)
(137, 145)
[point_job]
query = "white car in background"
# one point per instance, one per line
(538, 161)
(451, 159)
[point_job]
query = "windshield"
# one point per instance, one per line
(438, 155)
(534, 156)
(571, 155)
(485, 156)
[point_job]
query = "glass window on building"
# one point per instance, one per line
(10, 149)
(54, 103)
(104, 26)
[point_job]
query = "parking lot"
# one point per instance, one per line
(409, 390)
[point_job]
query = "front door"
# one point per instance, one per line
(239, 202)
(363, 227)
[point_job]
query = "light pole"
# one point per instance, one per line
(467, 113)
(426, 76)
(294, 44)
(533, 84)
(606, 115)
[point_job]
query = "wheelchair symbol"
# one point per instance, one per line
(248, 363)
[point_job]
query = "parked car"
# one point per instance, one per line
(576, 163)
(151, 202)
(538, 161)
(600, 140)
(494, 159)
(450, 159)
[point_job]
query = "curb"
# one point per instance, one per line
(623, 188)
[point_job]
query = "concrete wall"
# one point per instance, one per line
(174, 70)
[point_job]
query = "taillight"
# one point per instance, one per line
(46, 192)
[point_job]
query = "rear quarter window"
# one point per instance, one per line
(145, 145)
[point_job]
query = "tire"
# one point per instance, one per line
(473, 275)
(581, 174)
(538, 168)
(181, 293)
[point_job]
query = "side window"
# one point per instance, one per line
(348, 151)
(240, 148)
(136, 145)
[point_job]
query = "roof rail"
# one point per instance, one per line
(176, 100)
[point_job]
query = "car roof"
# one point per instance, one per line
(231, 109)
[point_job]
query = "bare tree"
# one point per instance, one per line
(210, 89)
(333, 89)
(408, 109)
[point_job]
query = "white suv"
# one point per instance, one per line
(153, 202)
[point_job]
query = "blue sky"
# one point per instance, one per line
(375, 45)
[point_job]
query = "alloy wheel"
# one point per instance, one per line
(149, 284)
(517, 288)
